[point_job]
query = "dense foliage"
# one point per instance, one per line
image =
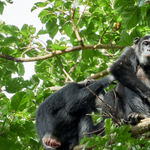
(93, 34)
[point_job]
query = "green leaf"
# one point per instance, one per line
(119, 5)
(9, 40)
(39, 4)
(5, 76)
(130, 17)
(7, 51)
(49, 42)
(74, 55)
(148, 17)
(35, 81)
(18, 128)
(67, 5)
(21, 69)
(19, 101)
(41, 66)
(42, 32)
(52, 27)
(11, 29)
(47, 83)
(4, 103)
(68, 28)
(1, 7)
(10, 1)
(45, 14)
(1, 37)
(24, 27)
(108, 124)
(11, 66)
(136, 33)
(122, 147)
(9, 143)
(7, 29)
(14, 85)
(30, 128)
(125, 39)
(87, 55)
(57, 47)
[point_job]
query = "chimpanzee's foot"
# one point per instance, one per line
(134, 118)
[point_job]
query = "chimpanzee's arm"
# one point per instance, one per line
(124, 70)
(77, 97)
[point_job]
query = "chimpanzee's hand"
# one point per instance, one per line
(111, 79)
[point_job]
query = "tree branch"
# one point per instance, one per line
(101, 74)
(140, 128)
(60, 52)
(75, 28)
(82, 13)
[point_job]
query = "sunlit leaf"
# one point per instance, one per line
(119, 5)
(52, 27)
(131, 17)
(19, 101)
(1, 7)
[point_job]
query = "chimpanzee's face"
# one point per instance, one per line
(143, 51)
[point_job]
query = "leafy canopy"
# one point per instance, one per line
(85, 37)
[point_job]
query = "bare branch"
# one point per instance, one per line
(140, 128)
(74, 66)
(60, 52)
(28, 49)
(101, 74)
(55, 88)
(75, 28)
(72, 69)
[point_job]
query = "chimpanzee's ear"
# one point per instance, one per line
(136, 40)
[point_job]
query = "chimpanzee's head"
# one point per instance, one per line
(142, 50)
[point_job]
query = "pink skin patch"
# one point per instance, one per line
(53, 143)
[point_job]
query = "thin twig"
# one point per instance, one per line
(94, 131)
(105, 31)
(115, 100)
(64, 70)
(63, 12)
(75, 28)
(40, 40)
(109, 54)
(105, 104)
(82, 13)
(74, 66)
(28, 49)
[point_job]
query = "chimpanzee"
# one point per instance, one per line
(61, 119)
(131, 97)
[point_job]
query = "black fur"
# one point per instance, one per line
(62, 116)
(132, 94)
